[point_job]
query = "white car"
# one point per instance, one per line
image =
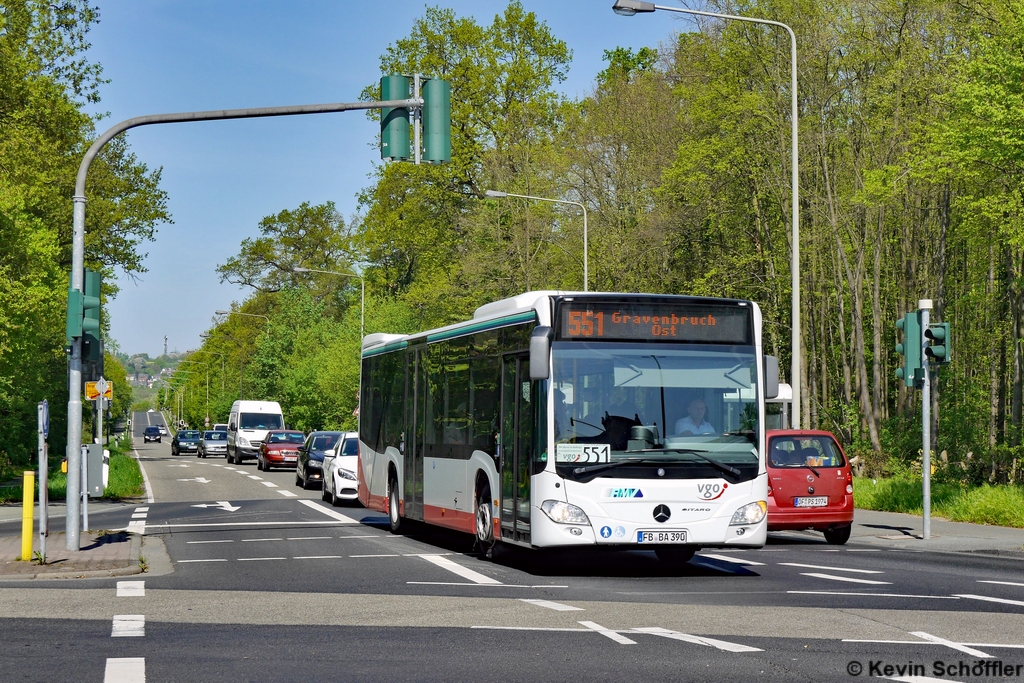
(163, 430)
(340, 482)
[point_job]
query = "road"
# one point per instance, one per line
(268, 583)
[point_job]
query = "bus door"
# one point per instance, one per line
(517, 443)
(416, 387)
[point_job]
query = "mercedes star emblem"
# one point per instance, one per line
(662, 513)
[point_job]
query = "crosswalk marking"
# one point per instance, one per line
(125, 670)
(131, 589)
(128, 625)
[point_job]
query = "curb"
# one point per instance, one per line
(131, 570)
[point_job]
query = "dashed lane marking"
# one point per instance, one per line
(1003, 601)
(269, 484)
(229, 468)
(287, 494)
(330, 513)
(374, 555)
(557, 606)
(259, 559)
(848, 579)
(185, 561)
(125, 670)
(697, 640)
(131, 589)
(1003, 583)
(255, 540)
(736, 560)
(831, 569)
(608, 633)
(254, 477)
(317, 557)
(128, 625)
(456, 568)
(875, 595)
(316, 538)
(224, 540)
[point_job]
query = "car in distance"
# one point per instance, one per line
(185, 441)
(279, 449)
(213, 443)
(341, 482)
(151, 434)
(310, 467)
(163, 429)
(248, 424)
(810, 485)
(220, 427)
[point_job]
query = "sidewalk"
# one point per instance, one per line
(898, 530)
(110, 554)
(57, 510)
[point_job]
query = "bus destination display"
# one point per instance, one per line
(670, 322)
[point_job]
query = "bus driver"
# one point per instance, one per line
(694, 423)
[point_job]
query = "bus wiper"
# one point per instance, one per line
(592, 471)
(721, 466)
(573, 421)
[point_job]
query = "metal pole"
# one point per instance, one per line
(925, 305)
(44, 520)
(78, 252)
(796, 368)
(85, 488)
(416, 115)
(362, 310)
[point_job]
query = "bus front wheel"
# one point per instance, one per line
(394, 519)
(484, 520)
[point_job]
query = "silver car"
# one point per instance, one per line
(213, 443)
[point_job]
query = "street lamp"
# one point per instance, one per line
(630, 7)
(362, 294)
(496, 194)
(214, 353)
(241, 360)
(248, 315)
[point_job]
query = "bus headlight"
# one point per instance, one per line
(751, 513)
(564, 513)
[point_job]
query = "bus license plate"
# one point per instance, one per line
(661, 537)
(815, 502)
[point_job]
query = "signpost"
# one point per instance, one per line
(43, 414)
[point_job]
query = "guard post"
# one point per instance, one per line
(27, 500)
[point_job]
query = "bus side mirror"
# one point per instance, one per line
(540, 351)
(771, 377)
(231, 427)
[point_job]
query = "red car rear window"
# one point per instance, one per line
(805, 451)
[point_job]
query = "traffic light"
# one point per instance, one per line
(394, 121)
(84, 309)
(940, 348)
(91, 351)
(910, 349)
(437, 121)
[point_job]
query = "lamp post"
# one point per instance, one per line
(247, 315)
(215, 353)
(207, 366)
(630, 7)
(496, 194)
(241, 360)
(362, 294)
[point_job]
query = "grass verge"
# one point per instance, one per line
(997, 505)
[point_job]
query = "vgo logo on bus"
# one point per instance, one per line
(710, 491)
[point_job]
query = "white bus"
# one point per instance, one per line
(542, 422)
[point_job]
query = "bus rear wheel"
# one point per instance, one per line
(394, 519)
(675, 554)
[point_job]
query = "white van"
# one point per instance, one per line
(248, 426)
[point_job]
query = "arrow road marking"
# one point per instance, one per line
(224, 505)
(201, 480)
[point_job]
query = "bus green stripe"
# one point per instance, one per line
(471, 328)
(393, 346)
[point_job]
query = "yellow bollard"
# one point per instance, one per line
(28, 492)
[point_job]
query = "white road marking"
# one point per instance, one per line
(269, 484)
(330, 513)
(557, 606)
(875, 595)
(698, 640)
(480, 585)
(140, 515)
(254, 477)
(455, 568)
(214, 464)
(131, 589)
(225, 540)
(294, 522)
(317, 557)
(201, 480)
(142, 509)
(128, 625)
(125, 670)
(374, 555)
(848, 579)
(1003, 601)
(533, 628)
(831, 569)
(229, 468)
(950, 644)
(257, 559)
(136, 526)
(145, 478)
(314, 538)
(254, 540)
(726, 558)
(1003, 583)
(862, 550)
(918, 642)
(287, 494)
(608, 633)
(184, 561)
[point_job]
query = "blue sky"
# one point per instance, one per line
(223, 177)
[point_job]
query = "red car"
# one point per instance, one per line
(810, 485)
(279, 449)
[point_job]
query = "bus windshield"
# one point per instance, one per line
(620, 396)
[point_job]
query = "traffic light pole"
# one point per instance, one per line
(925, 307)
(74, 445)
